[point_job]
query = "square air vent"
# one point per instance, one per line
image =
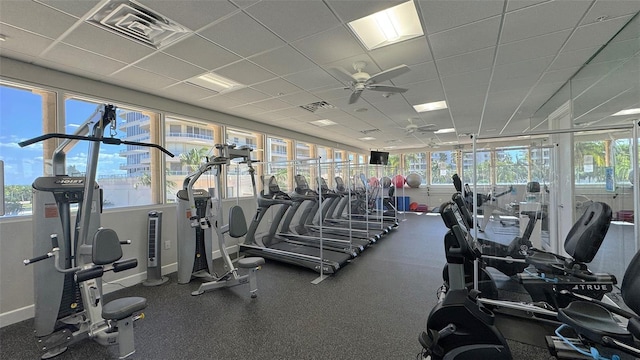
(313, 107)
(138, 23)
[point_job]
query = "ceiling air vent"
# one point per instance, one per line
(369, 131)
(138, 23)
(320, 105)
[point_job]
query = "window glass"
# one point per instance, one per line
(443, 166)
(512, 166)
(416, 163)
(191, 142)
(123, 171)
(238, 177)
(540, 165)
(276, 156)
(589, 162)
(24, 113)
(622, 161)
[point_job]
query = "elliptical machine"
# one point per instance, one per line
(68, 288)
(199, 215)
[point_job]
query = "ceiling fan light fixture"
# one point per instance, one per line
(437, 105)
(386, 27)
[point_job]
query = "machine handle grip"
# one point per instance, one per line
(37, 258)
(125, 265)
(54, 241)
(88, 274)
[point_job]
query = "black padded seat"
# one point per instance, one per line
(544, 261)
(250, 262)
(122, 308)
(594, 322)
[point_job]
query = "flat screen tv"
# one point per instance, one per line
(379, 158)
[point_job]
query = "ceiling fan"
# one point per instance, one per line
(414, 128)
(361, 80)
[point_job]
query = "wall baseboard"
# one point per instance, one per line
(28, 312)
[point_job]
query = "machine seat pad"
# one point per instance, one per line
(544, 261)
(250, 262)
(593, 322)
(124, 307)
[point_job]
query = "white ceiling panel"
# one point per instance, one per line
(301, 98)
(136, 75)
(247, 95)
(463, 39)
(542, 19)
(35, 17)
(415, 51)
(418, 72)
(272, 104)
(30, 43)
(242, 35)
(611, 10)
(185, 91)
(423, 92)
(526, 68)
(81, 59)
(568, 59)
(276, 87)
(531, 48)
(312, 79)
(72, 7)
(169, 66)
(201, 52)
(519, 4)
(283, 61)
(354, 9)
(221, 101)
(331, 93)
(440, 15)
(193, 14)
(304, 18)
(595, 34)
(245, 73)
(329, 46)
(467, 79)
(475, 60)
(101, 41)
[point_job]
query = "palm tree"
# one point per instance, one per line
(193, 157)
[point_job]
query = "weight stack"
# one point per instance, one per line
(154, 259)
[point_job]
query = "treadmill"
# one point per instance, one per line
(272, 246)
(360, 213)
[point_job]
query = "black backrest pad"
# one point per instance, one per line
(457, 182)
(273, 185)
(340, 184)
(106, 247)
(630, 287)
(586, 235)
(237, 222)
(448, 217)
(464, 211)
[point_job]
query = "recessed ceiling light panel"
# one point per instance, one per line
(627, 112)
(215, 82)
(438, 105)
(390, 26)
(323, 122)
(367, 138)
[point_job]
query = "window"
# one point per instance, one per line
(24, 113)
(191, 142)
(416, 163)
(622, 161)
(123, 171)
(589, 162)
(277, 156)
(512, 166)
(238, 177)
(443, 166)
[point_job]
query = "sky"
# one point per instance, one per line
(21, 119)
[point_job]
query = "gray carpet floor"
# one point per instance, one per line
(373, 308)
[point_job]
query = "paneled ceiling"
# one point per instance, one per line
(495, 62)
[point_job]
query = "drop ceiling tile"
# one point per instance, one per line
(567, 59)
(303, 18)
(247, 95)
(85, 60)
(35, 17)
(465, 38)
(272, 104)
(542, 19)
(355, 9)
(554, 76)
(475, 60)
(610, 9)
(423, 92)
(186, 91)
(244, 110)
(201, 52)
(283, 61)
(245, 73)
(242, 35)
(519, 4)
(76, 8)
(595, 34)
(443, 15)
(520, 69)
(220, 102)
(22, 41)
(276, 87)
(414, 51)
(169, 66)
(137, 75)
(329, 46)
(467, 79)
(312, 79)
(104, 42)
(504, 84)
(531, 48)
(301, 98)
(193, 14)
(331, 93)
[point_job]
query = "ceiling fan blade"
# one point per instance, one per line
(391, 89)
(388, 74)
(342, 75)
(354, 96)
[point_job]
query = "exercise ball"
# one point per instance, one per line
(413, 206)
(414, 180)
(374, 182)
(386, 182)
(398, 181)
